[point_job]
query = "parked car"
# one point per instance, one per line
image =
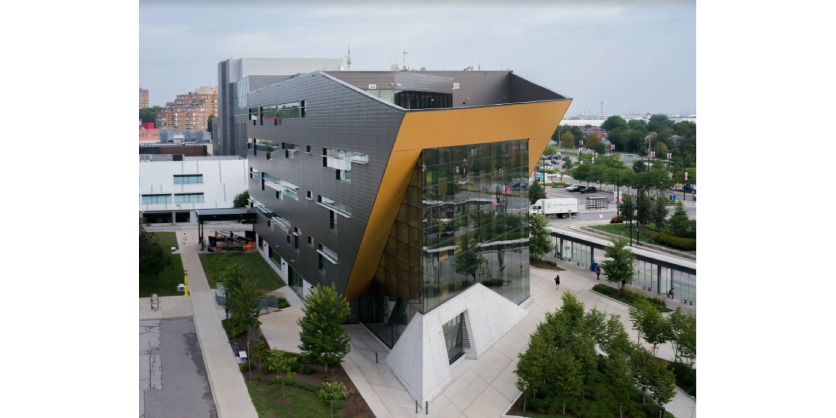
(689, 188)
(573, 188)
(590, 189)
(582, 189)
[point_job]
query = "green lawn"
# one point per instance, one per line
(265, 277)
(164, 284)
(622, 230)
(299, 403)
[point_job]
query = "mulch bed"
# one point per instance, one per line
(355, 405)
(545, 266)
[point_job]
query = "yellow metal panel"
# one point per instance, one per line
(444, 128)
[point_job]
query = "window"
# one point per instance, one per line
(150, 199)
(310, 195)
(334, 206)
(308, 149)
(296, 235)
(332, 220)
(288, 189)
(279, 112)
(188, 198)
(188, 178)
(310, 240)
(341, 159)
(328, 253)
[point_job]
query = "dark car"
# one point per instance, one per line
(689, 188)
(590, 189)
(574, 188)
(582, 189)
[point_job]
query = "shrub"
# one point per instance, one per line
(616, 220)
(283, 303)
(244, 367)
(686, 244)
(493, 282)
(299, 384)
(303, 369)
(686, 377)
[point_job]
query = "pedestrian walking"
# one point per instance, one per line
(557, 280)
(598, 273)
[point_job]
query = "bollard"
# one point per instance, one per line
(426, 407)
(375, 357)
(416, 407)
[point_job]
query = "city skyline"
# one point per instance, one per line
(610, 57)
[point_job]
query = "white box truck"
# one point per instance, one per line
(560, 207)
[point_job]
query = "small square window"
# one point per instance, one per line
(310, 240)
(310, 195)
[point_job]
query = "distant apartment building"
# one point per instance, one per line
(190, 111)
(171, 187)
(143, 98)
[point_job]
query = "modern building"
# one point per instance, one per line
(171, 187)
(238, 76)
(397, 187)
(143, 98)
(190, 111)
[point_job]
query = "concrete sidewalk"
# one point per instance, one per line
(485, 387)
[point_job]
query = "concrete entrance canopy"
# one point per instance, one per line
(231, 214)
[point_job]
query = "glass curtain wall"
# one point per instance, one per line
(475, 228)
(459, 223)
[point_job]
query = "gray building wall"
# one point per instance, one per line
(337, 116)
(234, 69)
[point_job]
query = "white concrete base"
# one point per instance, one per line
(419, 358)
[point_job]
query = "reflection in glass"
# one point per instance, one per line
(460, 222)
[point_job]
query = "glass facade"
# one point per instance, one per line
(423, 100)
(459, 223)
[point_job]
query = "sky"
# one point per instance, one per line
(636, 57)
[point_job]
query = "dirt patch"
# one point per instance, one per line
(544, 265)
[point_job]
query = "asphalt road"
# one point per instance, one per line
(173, 381)
(598, 214)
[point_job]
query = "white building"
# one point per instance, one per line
(170, 189)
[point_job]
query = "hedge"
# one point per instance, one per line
(686, 244)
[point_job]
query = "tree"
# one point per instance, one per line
(619, 377)
(678, 222)
(659, 212)
(532, 363)
(591, 140)
(324, 340)
(469, 259)
(149, 114)
(550, 150)
(651, 324)
(619, 263)
(282, 363)
(569, 381)
(661, 382)
(567, 140)
(614, 122)
(683, 334)
(536, 192)
(628, 208)
(241, 199)
(242, 300)
(539, 242)
(330, 392)
(153, 258)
